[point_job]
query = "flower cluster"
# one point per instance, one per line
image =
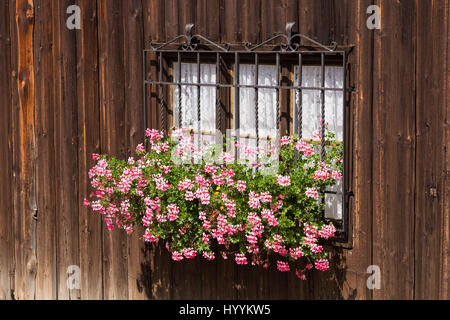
(223, 208)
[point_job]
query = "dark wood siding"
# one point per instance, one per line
(65, 94)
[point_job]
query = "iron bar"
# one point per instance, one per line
(161, 92)
(278, 95)
(144, 71)
(269, 51)
(218, 102)
(256, 103)
(299, 97)
(322, 100)
(180, 115)
(250, 86)
(236, 94)
(198, 100)
(345, 196)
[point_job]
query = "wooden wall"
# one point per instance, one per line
(67, 93)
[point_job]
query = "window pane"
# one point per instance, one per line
(267, 75)
(333, 202)
(266, 100)
(312, 102)
(334, 116)
(189, 96)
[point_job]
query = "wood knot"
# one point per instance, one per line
(30, 14)
(433, 192)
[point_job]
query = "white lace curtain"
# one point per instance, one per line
(311, 99)
(312, 102)
(189, 96)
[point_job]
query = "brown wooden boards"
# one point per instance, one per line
(88, 110)
(6, 209)
(394, 150)
(138, 266)
(431, 107)
(46, 278)
(24, 151)
(114, 135)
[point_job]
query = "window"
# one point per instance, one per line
(207, 86)
(310, 108)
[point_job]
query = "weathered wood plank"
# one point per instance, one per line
(275, 15)
(90, 227)
(353, 282)
(114, 135)
(243, 21)
(46, 282)
(207, 18)
(6, 210)
(138, 264)
(24, 150)
(430, 112)
(172, 26)
(444, 289)
(322, 11)
(66, 131)
(394, 150)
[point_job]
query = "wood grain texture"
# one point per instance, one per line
(394, 150)
(138, 263)
(353, 280)
(430, 169)
(24, 151)
(444, 289)
(88, 111)
(46, 282)
(114, 135)
(6, 209)
(65, 139)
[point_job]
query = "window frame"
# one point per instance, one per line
(227, 58)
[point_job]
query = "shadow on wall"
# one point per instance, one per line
(162, 278)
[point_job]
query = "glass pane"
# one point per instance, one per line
(334, 116)
(266, 100)
(333, 202)
(189, 96)
(312, 102)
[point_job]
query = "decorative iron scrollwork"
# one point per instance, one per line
(290, 42)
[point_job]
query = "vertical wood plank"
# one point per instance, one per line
(322, 10)
(444, 291)
(394, 150)
(154, 28)
(243, 21)
(88, 109)
(430, 112)
(275, 15)
(353, 284)
(207, 18)
(114, 141)
(66, 157)
(138, 263)
(24, 151)
(6, 210)
(46, 282)
(172, 26)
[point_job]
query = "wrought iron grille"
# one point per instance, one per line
(293, 48)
